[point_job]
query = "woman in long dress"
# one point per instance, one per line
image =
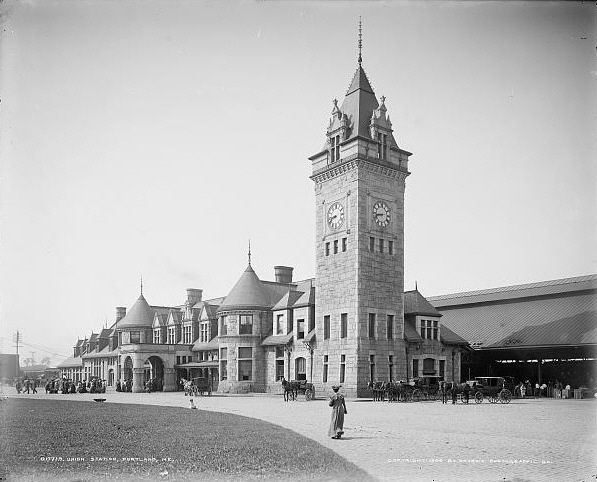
(338, 411)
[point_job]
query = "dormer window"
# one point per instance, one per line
(382, 146)
(335, 148)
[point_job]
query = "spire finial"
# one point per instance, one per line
(360, 40)
(141, 285)
(416, 287)
(249, 252)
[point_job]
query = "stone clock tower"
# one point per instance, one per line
(359, 181)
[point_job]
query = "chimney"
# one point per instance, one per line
(193, 296)
(120, 313)
(283, 274)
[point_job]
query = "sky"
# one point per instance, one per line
(154, 139)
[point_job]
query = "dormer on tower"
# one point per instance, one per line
(337, 132)
(381, 129)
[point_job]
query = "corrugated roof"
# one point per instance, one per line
(565, 319)
(416, 304)
(448, 337)
(542, 288)
(71, 362)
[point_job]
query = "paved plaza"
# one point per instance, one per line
(542, 439)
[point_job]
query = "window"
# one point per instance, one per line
(178, 360)
(300, 368)
(335, 246)
(381, 245)
(246, 325)
(429, 329)
(223, 363)
(245, 364)
(171, 335)
(279, 326)
(429, 366)
(390, 326)
(342, 367)
(371, 244)
(335, 148)
(442, 368)
(371, 325)
(435, 329)
(188, 334)
(391, 247)
(382, 145)
(300, 329)
(344, 240)
(135, 337)
(372, 367)
(156, 336)
(415, 368)
(343, 325)
(327, 249)
(391, 366)
(279, 363)
(326, 327)
(223, 327)
(325, 368)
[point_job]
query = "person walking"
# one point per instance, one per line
(34, 385)
(338, 405)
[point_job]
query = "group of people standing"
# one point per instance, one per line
(26, 385)
(549, 389)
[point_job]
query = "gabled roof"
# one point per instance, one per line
(210, 310)
(160, 319)
(277, 340)
(92, 338)
(212, 344)
(307, 298)
(139, 316)
(105, 333)
(288, 300)
(174, 317)
(416, 304)
(247, 293)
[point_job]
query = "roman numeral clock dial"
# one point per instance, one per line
(336, 215)
(381, 214)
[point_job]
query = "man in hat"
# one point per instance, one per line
(338, 411)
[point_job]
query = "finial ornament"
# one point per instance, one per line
(141, 285)
(360, 40)
(416, 287)
(383, 99)
(249, 252)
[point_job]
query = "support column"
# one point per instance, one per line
(539, 363)
(138, 380)
(169, 380)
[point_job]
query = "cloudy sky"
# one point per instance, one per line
(156, 138)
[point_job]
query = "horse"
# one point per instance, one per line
(378, 389)
(290, 389)
(456, 388)
(189, 387)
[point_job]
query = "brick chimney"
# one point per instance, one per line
(193, 296)
(120, 312)
(283, 274)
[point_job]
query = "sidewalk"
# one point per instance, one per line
(543, 439)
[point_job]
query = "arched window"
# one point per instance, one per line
(301, 368)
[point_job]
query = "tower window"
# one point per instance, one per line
(435, 330)
(344, 240)
(326, 327)
(381, 245)
(335, 246)
(327, 249)
(371, 325)
(325, 368)
(382, 145)
(391, 247)
(372, 367)
(343, 325)
(342, 367)
(390, 326)
(391, 366)
(371, 244)
(335, 148)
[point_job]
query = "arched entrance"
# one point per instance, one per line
(300, 368)
(127, 371)
(154, 373)
(110, 377)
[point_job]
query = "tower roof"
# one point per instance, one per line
(359, 104)
(247, 293)
(416, 304)
(139, 316)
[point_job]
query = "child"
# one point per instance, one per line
(192, 405)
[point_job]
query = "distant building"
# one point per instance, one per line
(9, 366)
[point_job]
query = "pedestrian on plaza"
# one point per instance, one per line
(338, 405)
(18, 386)
(537, 390)
(27, 385)
(34, 385)
(543, 390)
(523, 390)
(192, 405)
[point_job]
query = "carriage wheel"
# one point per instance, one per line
(493, 398)
(505, 396)
(308, 394)
(407, 397)
(417, 395)
(478, 397)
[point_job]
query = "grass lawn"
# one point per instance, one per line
(64, 440)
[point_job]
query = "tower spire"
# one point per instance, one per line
(141, 285)
(360, 40)
(249, 252)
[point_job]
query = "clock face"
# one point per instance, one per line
(336, 215)
(381, 214)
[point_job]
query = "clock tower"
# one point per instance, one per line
(359, 178)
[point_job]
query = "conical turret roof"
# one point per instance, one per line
(359, 104)
(247, 294)
(416, 304)
(139, 316)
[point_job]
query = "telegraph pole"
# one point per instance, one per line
(17, 339)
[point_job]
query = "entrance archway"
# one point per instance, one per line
(154, 373)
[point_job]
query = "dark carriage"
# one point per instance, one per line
(427, 388)
(295, 387)
(201, 386)
(495, 389)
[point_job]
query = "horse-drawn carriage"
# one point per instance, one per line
(496, 389)
(420, 388)
(294, 387)
(197, 386)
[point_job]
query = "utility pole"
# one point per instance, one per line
(17, 339)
